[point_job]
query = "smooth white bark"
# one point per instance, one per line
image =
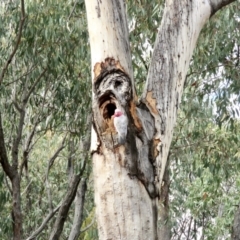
(108, 33)
(124, 209)
(124, 176)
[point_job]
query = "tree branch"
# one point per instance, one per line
(218, 4)
(78, 213)
(89, 225)
(177, 37)
(50, 163)
(63, 211)
(74, 6)
(25, 74)
(3, 154)
(17, 139)
(18, 40)
(44, 223)
(33, 86)
(72, 191)
(27, 147)
(21, 110)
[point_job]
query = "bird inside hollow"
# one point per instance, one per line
(120, 122)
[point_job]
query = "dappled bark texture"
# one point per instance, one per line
(128, 178)
(181, 24)
(12, 173)
(236, 225)
(125, 193)
(129, 162)
(164, 230)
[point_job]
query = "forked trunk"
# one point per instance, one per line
(128, 178)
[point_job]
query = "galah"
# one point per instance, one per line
(120, 123)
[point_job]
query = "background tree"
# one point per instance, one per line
(43, 118)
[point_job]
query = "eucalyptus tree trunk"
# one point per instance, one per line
(128, 178)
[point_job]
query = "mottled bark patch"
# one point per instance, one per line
(152, 103)
(106, 66)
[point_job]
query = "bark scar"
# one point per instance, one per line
(135, 117)
(151, 103)
(155, 145)
(106, 66)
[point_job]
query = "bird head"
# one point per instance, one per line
(118, 113)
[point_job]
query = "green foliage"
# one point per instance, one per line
(205, 170)
(215, 67)
(204, 158)
(51, 65)
(144, 18)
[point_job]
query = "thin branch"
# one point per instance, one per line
(52, 159)
(3, 154)
(25, 190)
(78, 213)
(50, 202)
(21, 23)
(25, 74)
(33, 86)
(16, 105)
(50, 163)
(44, 223)
(8, 186)
(70, 168)
(89, 225)
(75, 4)
(27, 147)
(189, 228)
(21, 110)
(17, 140)
(62, 214)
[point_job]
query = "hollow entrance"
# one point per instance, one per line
(107, 105)
(109, 110)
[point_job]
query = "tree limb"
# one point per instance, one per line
(78, 213)
(26, 150)
(25, 74)
(18, 40)
(74, 6)
(44, 223)
(33, 86)
(50, 163)
(17, 139)
(218, 4)
(177, 37)
(63, 211)
(21, 110)
(89, 225)
(3, 154)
